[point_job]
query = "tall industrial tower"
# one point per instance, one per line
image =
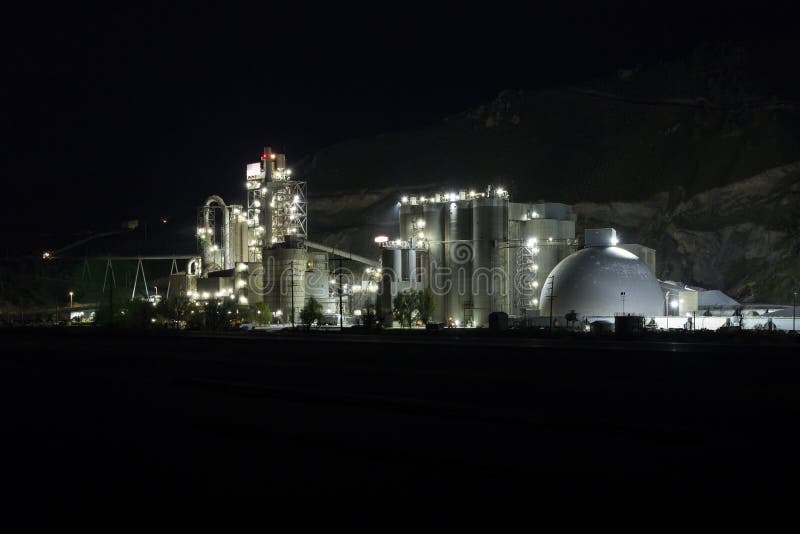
(276, 204)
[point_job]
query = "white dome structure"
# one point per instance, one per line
(590, 281)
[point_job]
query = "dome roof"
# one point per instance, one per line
(590, 282)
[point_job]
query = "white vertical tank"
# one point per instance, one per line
(284, 284)
(432, 215)
(490, 273)
(459, 255)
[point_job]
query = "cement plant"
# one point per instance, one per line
(466, 258)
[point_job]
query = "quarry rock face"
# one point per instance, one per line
(743, 238)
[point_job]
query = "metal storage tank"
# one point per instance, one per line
(432, 215)
(284, 273)
(391, 261)
(490, 270)
(316, 283)
(239, 239)
(591, 281)
(458, 257)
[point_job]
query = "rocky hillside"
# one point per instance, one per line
(743, 238)
(696, 158)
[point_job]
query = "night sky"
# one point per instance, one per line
(137, 112)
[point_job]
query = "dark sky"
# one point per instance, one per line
(122, 113)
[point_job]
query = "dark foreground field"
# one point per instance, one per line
(91, 414)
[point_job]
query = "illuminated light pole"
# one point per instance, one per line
(71, 293)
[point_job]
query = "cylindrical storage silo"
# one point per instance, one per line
(433, 277)
(284, 286)
(316, 283)
(239, 239)
(390, 275)
(458, 256)
(489, 269)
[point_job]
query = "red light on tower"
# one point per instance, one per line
(263, 156)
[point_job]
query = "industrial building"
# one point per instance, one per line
(476, 252)
(259, 251)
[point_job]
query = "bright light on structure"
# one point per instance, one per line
(404, 200)
(357, 313)
(614, 241)
(457, 322)
(421, 223)
(243, 300)
(530, 242)
(381, 239)
(673, 304)
(500, 191)
(241, 283)
(421, 235)
(535, 302)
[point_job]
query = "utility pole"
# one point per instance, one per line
(111, 301)
(291, 266)
(794, 307)
(552, 297)
(341, 290)
(622, 296)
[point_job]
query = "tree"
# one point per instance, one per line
(311, 312)
(369, 317)
(115, 304)
(218, 315)
(426, 305)
(263, 313)
(571, 317)
(404, 306)
(175, 310)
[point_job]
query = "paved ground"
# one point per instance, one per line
(92, 414)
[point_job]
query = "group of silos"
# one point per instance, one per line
(464, 248)
(462, 243)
